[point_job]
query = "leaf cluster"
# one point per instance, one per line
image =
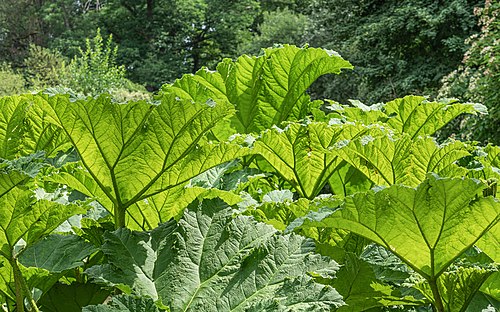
(161, 205)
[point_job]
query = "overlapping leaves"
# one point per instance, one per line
(24, 128)
(427, 227)
(211, 261)
(388, 160)
(306, 155)
(413, 115)
(22, 216)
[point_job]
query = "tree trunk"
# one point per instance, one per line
(149, 9)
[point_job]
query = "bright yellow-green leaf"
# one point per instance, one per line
(265, 90)
(428, 227)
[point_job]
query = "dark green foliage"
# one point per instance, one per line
(282, 26)
(43, 67)
(197, 33)
(397, 47)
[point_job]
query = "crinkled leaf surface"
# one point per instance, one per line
(428, 227)
(386, 266)
(124, 303)
(136, 150)
(305, 154)
(358, 285)
(57, 253)
(388, 160)
(265, 90)
(212, 261)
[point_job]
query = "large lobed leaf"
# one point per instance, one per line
(211, 261)
(428, 227)
(22, 216)
(57, 253)
(265, 90)
(133, 151)
(416, 116)
(456, 288)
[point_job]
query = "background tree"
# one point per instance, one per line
(20, 25)
(160, 40)
(277, 27)
(397, 47)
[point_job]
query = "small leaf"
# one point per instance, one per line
(57, 253)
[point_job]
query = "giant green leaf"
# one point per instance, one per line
(428, 227)
(39, 133)
(13, 111)
(144, 214)
(265, 90)
(389, 159)
(136, 150)
(212, 261)
(416, 116)
(305, 155)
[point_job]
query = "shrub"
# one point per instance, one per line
(95, 71)
(10, 81)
